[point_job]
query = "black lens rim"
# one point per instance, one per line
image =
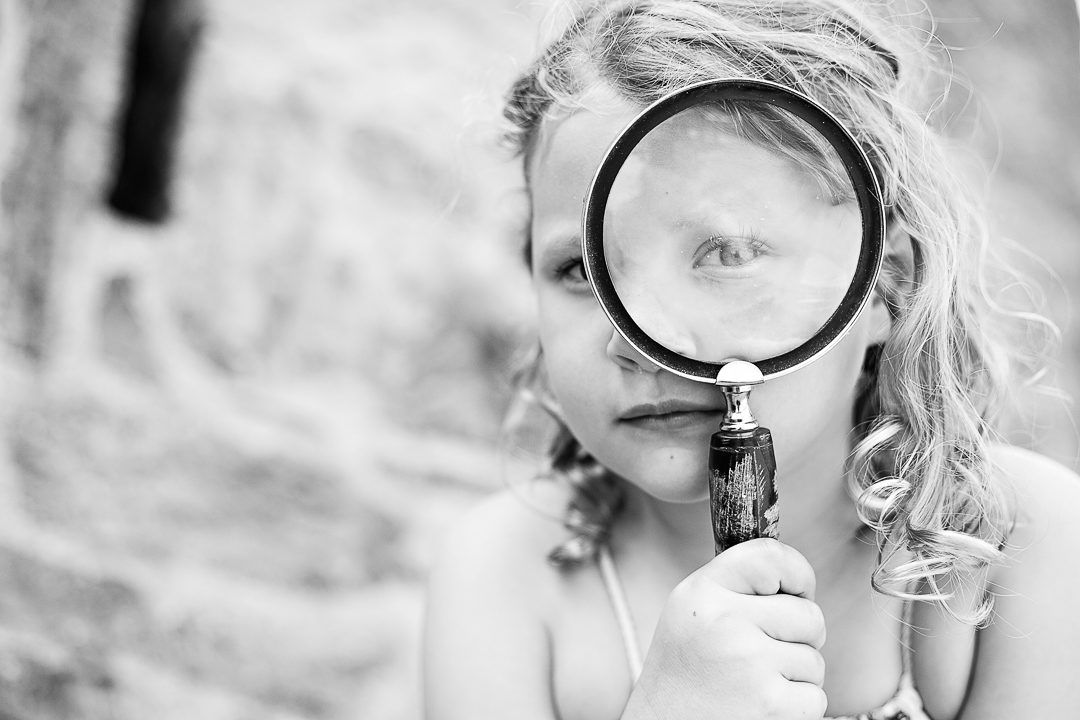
(859, 169)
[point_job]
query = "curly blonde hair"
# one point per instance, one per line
(920, 473)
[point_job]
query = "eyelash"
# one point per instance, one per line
(562, 272)
(718, 242)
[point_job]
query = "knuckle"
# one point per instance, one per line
(820, 702)
(817, 662)
(815, 617)
(693, 597)
(818, 623)
(683, 591)
(688, 592)
(746, 645)
(773, 550)
(757, 564)
(771, 704)
(813, 621)
(753, 552)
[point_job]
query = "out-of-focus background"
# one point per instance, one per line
(229, 441)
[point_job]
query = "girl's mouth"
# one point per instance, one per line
(670, 415)
(674, 421)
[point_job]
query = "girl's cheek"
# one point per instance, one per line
(574, 319)
(575, 357)
(566, 353)
(813, 401)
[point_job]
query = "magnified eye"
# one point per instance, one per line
(731, 252)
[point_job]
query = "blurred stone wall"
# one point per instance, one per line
(222, 482)
(225, 474)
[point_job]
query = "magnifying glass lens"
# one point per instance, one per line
(732, 231)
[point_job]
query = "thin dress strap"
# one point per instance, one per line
(906, 648)
(906, 703)
(619, 605)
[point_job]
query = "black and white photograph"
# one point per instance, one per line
(539, 359)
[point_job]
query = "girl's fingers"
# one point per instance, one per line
(804, 700)
(790, 619)
(800, 663)
(762, 567)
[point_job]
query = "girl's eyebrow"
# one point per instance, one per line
(692, 223)
(561, 243)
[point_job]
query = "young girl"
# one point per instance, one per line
(939, 563)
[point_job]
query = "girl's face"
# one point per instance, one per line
(647, 425)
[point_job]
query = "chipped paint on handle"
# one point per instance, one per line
(742, 487)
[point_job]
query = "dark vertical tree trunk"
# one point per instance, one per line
(47, 180)
(159, 63)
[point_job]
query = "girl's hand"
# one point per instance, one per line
(739, 638)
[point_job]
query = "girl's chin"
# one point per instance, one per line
(670, 481)
(678, 496)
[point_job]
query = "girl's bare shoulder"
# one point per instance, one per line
(487, 643)
(507, 536)
(1035, 626)
(1044, 497)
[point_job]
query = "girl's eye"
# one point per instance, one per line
(729, 252)
(572, 272)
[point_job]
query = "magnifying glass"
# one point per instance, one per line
(733, 233)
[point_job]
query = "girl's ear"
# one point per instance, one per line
(899, 267)
(880, 320)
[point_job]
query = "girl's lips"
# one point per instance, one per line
(670, 415)
(674, 420)
(667, 407)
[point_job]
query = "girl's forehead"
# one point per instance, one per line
(569, 149)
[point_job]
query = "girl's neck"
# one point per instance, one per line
(817, 516)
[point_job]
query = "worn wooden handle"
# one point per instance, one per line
(742, 487)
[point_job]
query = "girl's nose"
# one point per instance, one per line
(625, 356)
